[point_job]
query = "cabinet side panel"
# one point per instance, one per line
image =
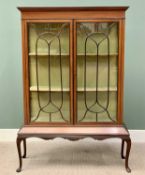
(121, 71)
(25, 73)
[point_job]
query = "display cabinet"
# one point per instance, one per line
(73, 68)
(73, 61)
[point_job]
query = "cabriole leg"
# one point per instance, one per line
(25, 148)
(18, 141)
(122, 149)
(128, 141)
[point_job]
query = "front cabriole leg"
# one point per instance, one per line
(128, 141)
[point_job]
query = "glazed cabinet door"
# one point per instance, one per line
(49, 72)
(96, 60)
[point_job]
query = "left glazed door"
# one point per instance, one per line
(49, 71)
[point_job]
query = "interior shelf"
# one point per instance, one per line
(101, 89)
(100, 55)
(46, 54)
(78, 54)
(45, 89)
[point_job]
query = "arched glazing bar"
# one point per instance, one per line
(48, 38)
(97, 104)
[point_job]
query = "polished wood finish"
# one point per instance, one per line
(72, 15)
(25, 73)
(73, 130)
(121, 70)
(74, 133)
(72, 12)
(62, 9)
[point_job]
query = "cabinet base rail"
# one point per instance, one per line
(74, 133)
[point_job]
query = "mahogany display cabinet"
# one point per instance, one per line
(73, 69)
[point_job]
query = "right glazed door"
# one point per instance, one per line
(96, 87)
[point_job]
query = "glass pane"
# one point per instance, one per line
(97, 60)
(49, 72)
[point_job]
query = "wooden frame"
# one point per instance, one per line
(26, 86)
(72, 12)
(72, 15)
(119, 76)
(73, 130)
(99, 133)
